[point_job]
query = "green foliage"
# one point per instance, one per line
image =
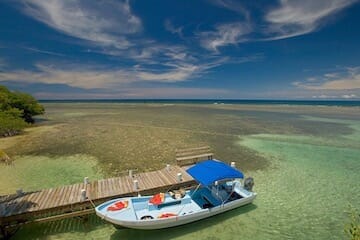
(353, 228)
(27, 104)
(16, 111)
(11, 125)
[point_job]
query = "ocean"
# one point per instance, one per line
(303, 155)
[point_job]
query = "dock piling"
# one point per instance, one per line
(136, 185)
(86, 180)
(83, 195)
(179, 177)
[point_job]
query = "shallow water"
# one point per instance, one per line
(34, 172)
(305, 161)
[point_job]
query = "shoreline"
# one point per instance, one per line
(341, 102)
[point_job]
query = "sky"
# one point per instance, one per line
(204, 49)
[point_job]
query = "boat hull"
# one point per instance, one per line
(178, 220)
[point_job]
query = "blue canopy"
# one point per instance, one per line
(209, 171)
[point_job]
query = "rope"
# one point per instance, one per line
(92, 203)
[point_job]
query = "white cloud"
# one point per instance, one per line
(75, 76)
(90, 77)
(349, 96)
(293, 18)
(344, 96)
(43, 51)
(324, 96)
(180, 73)
(224, 35)
(311, 79)
(136, 93)
(347, 83)
(105, 23)
(331, 75)
(232, 5)
(339, 83)
(288, 19)
(172, 92)
(348, 80)
(161, 53)
(169, 26)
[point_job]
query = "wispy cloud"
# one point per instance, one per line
(105, 23)
(288, 19)
(109, 25)
(344, 80)
(95, 76)
(136, 93)
(232, 5)
(169, 26)
(224, 35)
(293, 18)
(343, 96)
(43, 51)
(75, 76)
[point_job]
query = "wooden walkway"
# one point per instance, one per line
(79, 199)
(67, 201)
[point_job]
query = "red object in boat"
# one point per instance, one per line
(157, 199)
(166, 215)
(118, 206)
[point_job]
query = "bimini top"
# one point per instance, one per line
(209, 171)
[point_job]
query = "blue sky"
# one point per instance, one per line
(218, 49)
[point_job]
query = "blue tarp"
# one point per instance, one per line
(209, 171)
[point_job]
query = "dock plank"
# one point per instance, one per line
(46, 199)
(38, 201)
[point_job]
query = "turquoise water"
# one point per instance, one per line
(313, 182)
(304, 190)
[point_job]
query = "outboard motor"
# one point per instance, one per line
(249, 183)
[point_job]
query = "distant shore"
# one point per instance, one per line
(348, 103)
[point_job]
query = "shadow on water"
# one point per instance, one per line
(180, 230)
(87, 227)
(76, 225)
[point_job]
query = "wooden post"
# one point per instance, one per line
(86, 180)
(136, 185)
(131, 173)
(179, 177)
(83, 195)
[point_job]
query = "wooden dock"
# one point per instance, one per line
(79, 199)
(68, 201)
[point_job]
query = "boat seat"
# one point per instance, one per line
(207, 203)
(207, 196)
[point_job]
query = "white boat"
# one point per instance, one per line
(219, 190)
